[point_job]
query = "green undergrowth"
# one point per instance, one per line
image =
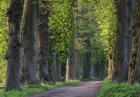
(34, 89)
(112, 89)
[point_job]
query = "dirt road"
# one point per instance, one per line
(85, 89)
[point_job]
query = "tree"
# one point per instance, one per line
(74, 50)
(134, 71)
(60, 32)
(69, 69)
(43, 30)
(14, 15)
(28, 40)
(106, 19)
(87, 60)
(86, 31)
(56, 68)
(121, 54)
(70, 62)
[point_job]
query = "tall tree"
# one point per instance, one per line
(56, 67)
(14, 14)
(60, 31)
(87, 59)
(28, 39)
(43, 29)
(75, 52)
(122, 46)
(71, 67)
(74, 22)
(134, 66)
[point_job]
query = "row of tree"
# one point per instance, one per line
(126, 57)
(58, 40)
(53, 41)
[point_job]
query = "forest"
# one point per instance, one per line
(88, 45)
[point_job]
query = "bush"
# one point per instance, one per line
(112, 89)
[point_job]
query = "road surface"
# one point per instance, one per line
(84, 89)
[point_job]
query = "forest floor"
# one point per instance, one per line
(84, 89)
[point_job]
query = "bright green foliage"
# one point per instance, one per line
(97, 23)
(3, 40)
(104, 37)
(110, 89)
(99, 54)
(60, 25)
(106, 18)
(89, 23)
(60, 29)
(32, 89)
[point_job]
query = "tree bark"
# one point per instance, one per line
(28, 38)
(43, 15)
(87, 60)
(14, 14)
(69, 69)
(134, 66)
(110, 68)
(121, 55)
(74, 49)
(58, 65)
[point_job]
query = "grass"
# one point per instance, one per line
(34, 89)
(112, 89)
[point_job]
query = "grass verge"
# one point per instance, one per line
(110, 89)
(33, 89)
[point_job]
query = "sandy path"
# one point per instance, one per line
(85, 89)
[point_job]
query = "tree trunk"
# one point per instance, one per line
(29, 36)
(110, 62)
(110, 68)
(69, 69)
(87, 60)
(74, 25)
(43, 39)
(134, 66)
(122, 47)
(58, 65)
(14, 14)
(78, 65)
(56, 68)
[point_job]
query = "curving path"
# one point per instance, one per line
(85, 89)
